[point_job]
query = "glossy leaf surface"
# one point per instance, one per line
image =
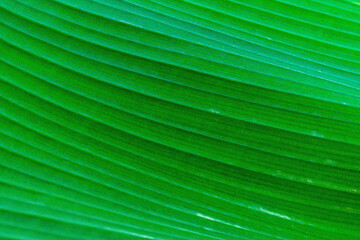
(184, 119)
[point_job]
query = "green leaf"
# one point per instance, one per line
(186, 119)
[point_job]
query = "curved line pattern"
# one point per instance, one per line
(186, 119)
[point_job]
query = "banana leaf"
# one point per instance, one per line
(182, 119)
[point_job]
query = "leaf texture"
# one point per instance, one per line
(184, 119)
